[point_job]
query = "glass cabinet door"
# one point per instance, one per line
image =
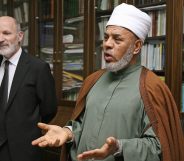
(3, 8)
(73, 48)
(21, 13)
(46, 31)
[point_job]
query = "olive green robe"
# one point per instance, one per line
(114, 108)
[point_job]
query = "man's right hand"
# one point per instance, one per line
(55, 136)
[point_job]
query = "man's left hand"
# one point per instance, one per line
(109, 148)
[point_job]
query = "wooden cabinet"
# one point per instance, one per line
(60, 42)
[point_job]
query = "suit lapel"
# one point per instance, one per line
(1, 58)
(19, 75)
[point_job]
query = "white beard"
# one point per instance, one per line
(8, 51)
(122, 63)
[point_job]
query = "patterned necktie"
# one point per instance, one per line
(4, 86)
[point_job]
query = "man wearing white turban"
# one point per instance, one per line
(124, 112)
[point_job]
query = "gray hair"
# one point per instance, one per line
(17, 25)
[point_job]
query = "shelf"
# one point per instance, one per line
(151, 6)
(156, 38)
(100, 13)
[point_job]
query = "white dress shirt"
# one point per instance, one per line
(12, 67)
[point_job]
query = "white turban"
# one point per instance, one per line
(132, 18)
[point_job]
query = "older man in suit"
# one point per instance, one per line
(27, 95)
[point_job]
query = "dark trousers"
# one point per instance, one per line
(4, 152)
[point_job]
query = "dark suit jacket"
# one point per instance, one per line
(32, 99)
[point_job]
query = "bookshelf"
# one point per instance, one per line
(71, 41)
(153, 51)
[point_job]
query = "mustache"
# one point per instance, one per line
(109, 53)
(3, 44)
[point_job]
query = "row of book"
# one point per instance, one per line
(101, 27)
(46, 9)
(72, 57)
(21, 12)
(153, 56)
(73, 8)
(70, 95)
(72, 68)
(108, 4)
(145, 2)
(4, 2)
(158, 27)
(71, 85)
(46, 30)
(73, 31)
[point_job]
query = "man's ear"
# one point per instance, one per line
(137, 46)
(20, 36)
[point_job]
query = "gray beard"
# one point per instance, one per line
(8, 50)
(122, 63)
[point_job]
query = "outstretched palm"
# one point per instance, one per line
(55, 136)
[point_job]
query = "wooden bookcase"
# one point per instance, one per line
(49, 21)
(54, 16)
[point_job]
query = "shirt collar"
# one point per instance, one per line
(14, 59)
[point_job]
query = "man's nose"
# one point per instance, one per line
(1, 38)
(108, 43)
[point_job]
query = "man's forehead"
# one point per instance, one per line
(8, 24)
(117, 30)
